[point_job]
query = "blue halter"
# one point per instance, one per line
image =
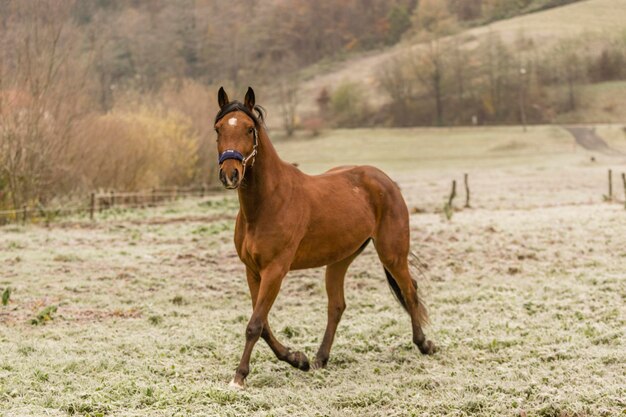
(230, 154)
(233, 154)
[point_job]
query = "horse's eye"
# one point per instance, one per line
(250, 130)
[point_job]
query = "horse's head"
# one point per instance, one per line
(237, 137)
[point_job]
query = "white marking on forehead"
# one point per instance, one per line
(232, 121)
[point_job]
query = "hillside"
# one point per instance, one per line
(589, 17)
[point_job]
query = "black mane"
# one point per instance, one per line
(238, 106)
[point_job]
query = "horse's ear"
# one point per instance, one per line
(248, 101)
(222, 98)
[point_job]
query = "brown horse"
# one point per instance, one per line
(289, 220)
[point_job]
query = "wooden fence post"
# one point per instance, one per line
(112, 199)
(452, 194)
(24, 214)
(448, 209)
(92, 206)
(610, 185)
(467, 191)
(202, 190)
(624, 182)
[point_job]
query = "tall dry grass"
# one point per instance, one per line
(58, 141)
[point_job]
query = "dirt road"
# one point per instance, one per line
(588, 139)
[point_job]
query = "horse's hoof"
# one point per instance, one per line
(319, 364)
(235, 385)
(428, 347)
(299, 360)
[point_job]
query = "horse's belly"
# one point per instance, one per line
(321, 256)
(325, 244)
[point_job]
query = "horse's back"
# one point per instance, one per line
(371, 178)
(340, 168)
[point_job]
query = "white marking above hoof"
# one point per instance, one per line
(234, 385)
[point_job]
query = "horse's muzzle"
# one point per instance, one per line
(230, 178)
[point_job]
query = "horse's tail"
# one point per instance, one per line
(422, 313)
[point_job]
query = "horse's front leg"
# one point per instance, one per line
(295, 359)
(269, 285)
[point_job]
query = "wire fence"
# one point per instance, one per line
(101, 201)
(158, 197)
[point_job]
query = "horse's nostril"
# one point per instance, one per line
(222, 177)
(235, 176)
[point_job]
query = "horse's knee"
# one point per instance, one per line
(254, 329)
(336, 310)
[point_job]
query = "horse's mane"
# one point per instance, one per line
(258, 118)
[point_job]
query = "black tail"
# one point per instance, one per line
(422, 314)
(397, 292)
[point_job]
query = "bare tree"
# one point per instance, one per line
(460, 63)
(498, 70)
(429, 67)
(398, 82)
(288, 95)
(569, 70)
(39, 101)
(288, 91)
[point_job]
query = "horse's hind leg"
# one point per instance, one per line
(295, 359)
(335, 276)
(393, 253)
(412, 304)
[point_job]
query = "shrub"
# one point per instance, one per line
(609, 65)
(131, 150)
(348, 105)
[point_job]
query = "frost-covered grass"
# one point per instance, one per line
(526, 302)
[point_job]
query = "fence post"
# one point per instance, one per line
(610, 185)
(452, 194)
(112, 199)
(624, 182)
(92, 206)
(24, 214)
(467, 191)
(202, 190)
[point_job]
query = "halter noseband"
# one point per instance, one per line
(231, 153)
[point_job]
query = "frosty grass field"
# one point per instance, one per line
(142, 312)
